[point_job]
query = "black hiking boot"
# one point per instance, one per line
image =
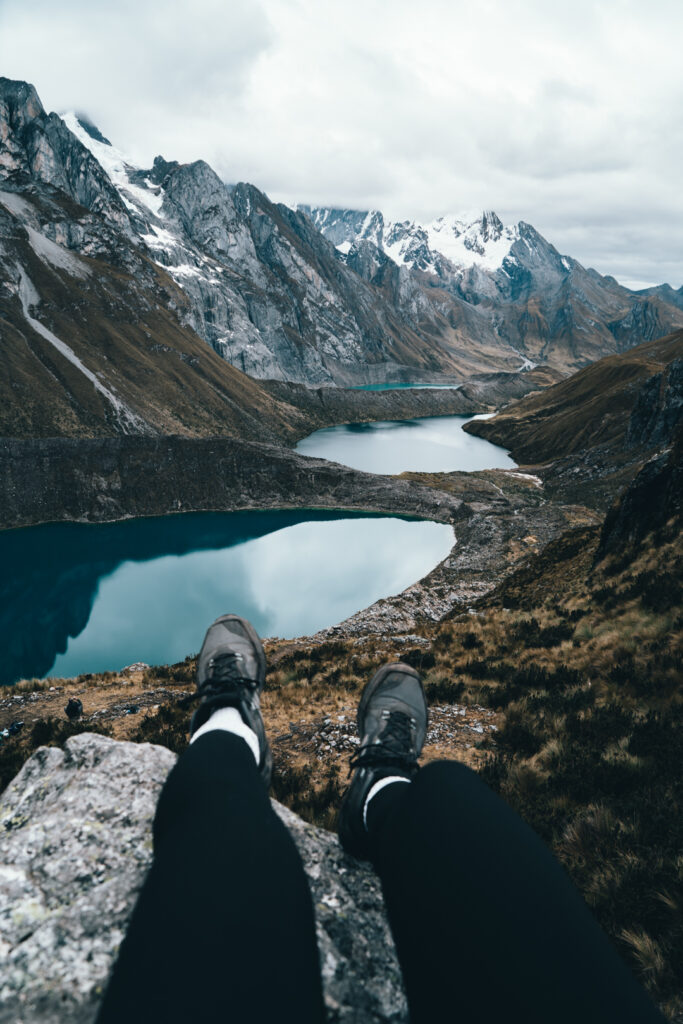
(392, 724)
(231, 672)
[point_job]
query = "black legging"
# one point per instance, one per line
(488, 928)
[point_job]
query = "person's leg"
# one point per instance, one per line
(488, 927)
(224, 926)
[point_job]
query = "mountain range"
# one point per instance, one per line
(544, 305)
(114, 277)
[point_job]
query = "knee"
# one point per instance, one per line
(447, 773)
(451, 782)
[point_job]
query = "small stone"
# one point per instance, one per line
(73, 708)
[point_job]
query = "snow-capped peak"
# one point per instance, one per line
(470, 238)
(117, 165)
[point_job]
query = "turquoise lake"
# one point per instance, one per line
(401, 386)
(89, 598)
(431, 444)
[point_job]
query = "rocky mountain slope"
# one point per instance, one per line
(263, 287)
(97, 335)
(674, 296)
(91, 337)
(543, 304)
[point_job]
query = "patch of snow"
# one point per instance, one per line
(152, 200)
(566, 264)
(116, 166)
(29, 297)
(343, 248)
(537, 482)
(460, 239)
(55, 256)
(527, 364)
(396, 250)
(183, 270)
(160, 239)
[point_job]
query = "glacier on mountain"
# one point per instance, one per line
(469, 239)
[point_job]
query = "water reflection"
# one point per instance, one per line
(430, 445)
(83, 598)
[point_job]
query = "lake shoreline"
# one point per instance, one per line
(102, 480)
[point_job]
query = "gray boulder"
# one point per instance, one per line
(75, 843)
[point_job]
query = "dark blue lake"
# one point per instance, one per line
(89, 598)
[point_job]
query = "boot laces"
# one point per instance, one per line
(392, 748)
(226, 676)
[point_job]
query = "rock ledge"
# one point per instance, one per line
(75, 843)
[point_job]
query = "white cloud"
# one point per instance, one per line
(567, 117)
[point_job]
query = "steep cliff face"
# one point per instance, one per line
(658, 410)
(652, 502)
(263, 287)
(74, 849)
(92, 336)
(92, 344)
(39, 147)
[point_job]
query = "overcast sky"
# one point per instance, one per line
(568, 116)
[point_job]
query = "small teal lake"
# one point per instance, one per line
(402, 385)
(90, 598)
(431, 444)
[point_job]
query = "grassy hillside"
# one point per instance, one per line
(588, 409)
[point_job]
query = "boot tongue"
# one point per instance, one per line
(396, 734)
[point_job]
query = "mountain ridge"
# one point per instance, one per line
(537, 299)
(517, 303)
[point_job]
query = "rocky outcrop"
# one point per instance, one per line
(75, 843)
(39, 147)
(652, 500)
(105, 479)
(658, 410)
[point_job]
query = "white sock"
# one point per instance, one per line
(230, 720)
(374, 790)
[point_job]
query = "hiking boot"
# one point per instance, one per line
(392, 724)
(231, 672)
